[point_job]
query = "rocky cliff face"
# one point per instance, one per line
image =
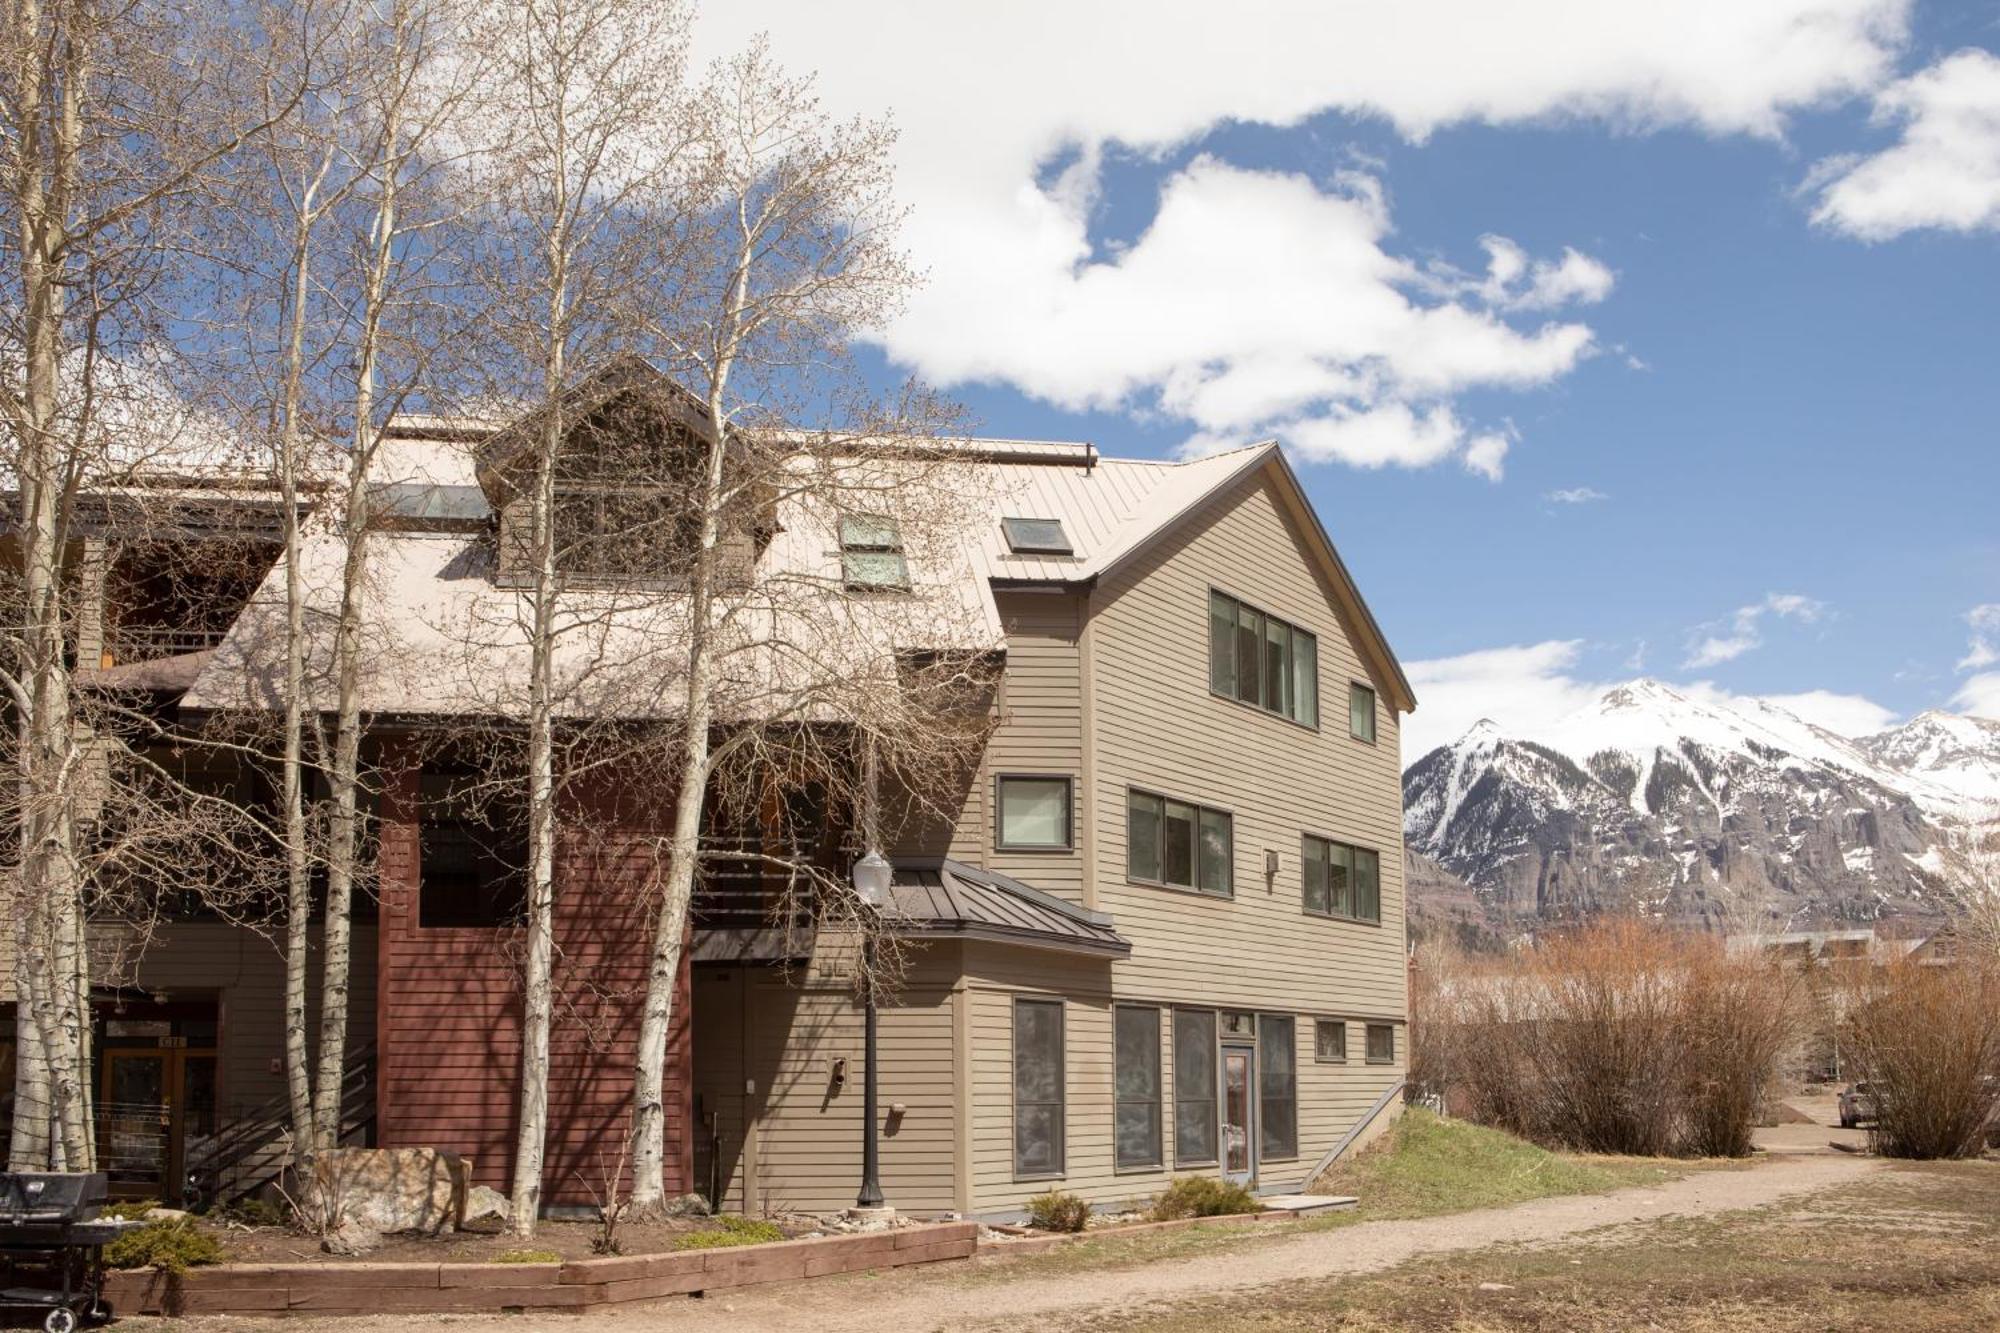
(1734, 816)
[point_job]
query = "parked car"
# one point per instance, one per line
(1857, 1103)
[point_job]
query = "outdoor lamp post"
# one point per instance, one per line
(871, 885)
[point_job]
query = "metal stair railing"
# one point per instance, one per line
(256, 1147)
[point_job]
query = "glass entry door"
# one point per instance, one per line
(1239, 1113)
(154, 1103)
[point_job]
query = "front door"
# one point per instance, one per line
(154, 1105)
(1239, 1114)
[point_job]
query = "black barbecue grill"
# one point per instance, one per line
(52, 1246)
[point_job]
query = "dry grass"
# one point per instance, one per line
(1917, 1249)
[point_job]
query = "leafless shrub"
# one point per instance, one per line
(1926, 1038)
(1620, 1038)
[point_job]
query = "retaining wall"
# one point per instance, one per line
(364, 1288)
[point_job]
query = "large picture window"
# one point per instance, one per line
(1341, 880)
(1038, 1087)
(1277, 1086)
(1034, 814)
(1179, 844)
(1262, 660)
(1136, 1134)
(1194, 1087)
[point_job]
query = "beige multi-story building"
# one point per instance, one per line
(1159, 931)
(1170, 915)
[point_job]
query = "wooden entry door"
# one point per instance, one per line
(1239, 1114)
(153, 1104)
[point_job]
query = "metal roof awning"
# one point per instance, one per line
(940, 899)
(952, 900)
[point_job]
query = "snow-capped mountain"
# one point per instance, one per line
(1734, 813)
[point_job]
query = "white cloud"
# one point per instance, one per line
(1523, 688)
(1727, 639)
(1984, 649)
(1979, 695)
(1576, 495)
(1943, 172)
(1514, 281)
(1841, 714)
(1251, 302)
(1527, 688)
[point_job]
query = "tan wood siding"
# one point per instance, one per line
(244, 972)
(1154, 724)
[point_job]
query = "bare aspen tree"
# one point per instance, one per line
(591, 129)
(115, 119)
(417, 71)
(793, 253)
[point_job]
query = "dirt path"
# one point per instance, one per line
(951, 1299)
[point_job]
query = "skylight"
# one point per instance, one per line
(1036, 536)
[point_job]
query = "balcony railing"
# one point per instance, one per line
(151, 643)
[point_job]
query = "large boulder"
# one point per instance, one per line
(390, 1190)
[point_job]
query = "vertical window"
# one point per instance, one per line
(1177, 848)
(1339, 880)
(1221, 644)
(1305, 678)
(1194, 1087)
(1330, 1040)
(1249, 655)
(1262, 660)
(1367, 885)
(1178, 843)
(1361, 713)
(1277, 1086)
(1381, 1044)
(472, 853)
(1142, 836)
(1136, 1134)
(1034, 814)
(1038, 1087)
(871, 554)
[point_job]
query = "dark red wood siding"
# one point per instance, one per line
(449, 1015)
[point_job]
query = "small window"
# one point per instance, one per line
(1036, 536)
(1361, 713)
(1239, 1025)
(1381, 1044)
(1262, 660)
(1034, 814)
(1340, 881)
(1194, 1087)
(1277, 1086)
(1136, 1133)
(472, 850)
(1178, 843)
(1330, 1040)
(1038, 1087)
(871, 554)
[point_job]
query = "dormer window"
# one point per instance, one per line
(1036, 536)
(871, 554)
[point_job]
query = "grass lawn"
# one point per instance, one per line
(1423, 1166)
(1917, 1249)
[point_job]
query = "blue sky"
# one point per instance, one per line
(1770, 362)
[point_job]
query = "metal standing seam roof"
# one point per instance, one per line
(952, 899)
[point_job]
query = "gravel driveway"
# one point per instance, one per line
(942, 1298)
